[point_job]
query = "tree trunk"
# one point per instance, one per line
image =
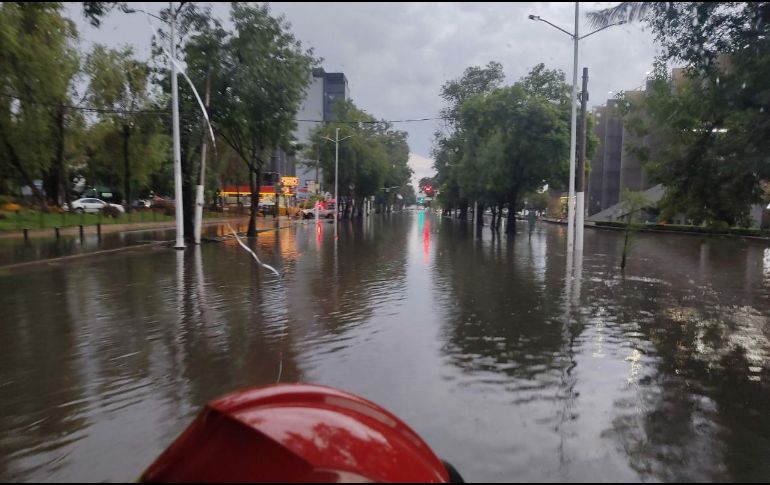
(64, 193)
(54, 179)
(480, 215)
(127, 168)
(16, 162)
(625, 249)
(464, 211)
(277, 204)
(188, 195)
(499, 216)
(254, 178)
(510, 227)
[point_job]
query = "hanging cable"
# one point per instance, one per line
(256, 258)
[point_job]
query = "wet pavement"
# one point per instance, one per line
(510, 369)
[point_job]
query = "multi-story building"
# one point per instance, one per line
(323, 92)
(618, 163)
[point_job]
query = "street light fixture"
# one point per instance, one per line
(572, 240)
(336, 141)
(175, 125)
(127, 9)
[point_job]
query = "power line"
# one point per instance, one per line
(91, 109)
(408, 120)
(86, 108)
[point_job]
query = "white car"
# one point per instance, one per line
(323, 213)
(93, 205)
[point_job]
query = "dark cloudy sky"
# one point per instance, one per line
(396, 56)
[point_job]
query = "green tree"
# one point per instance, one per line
(119, 85)
(259, 84)
(715, 119)
(633, 204)
(409, 195)
(38, 62)
(517, 142)
(448, 145)
(397, 173)
(199, 42)
(364, 158)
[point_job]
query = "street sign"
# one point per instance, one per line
(290, 181)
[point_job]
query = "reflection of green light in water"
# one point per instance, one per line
(421, 220)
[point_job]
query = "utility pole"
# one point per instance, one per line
(573, 141)
(581, 167)
(336, 180)
(336, 141)
(177, 148)
(573, 136)
(317, 165)
(202, 180)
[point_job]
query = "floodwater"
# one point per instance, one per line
(508, 367)
(17, 250)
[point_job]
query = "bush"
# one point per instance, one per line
(10, 207)
(720, 226)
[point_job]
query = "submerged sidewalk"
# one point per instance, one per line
(16, 253)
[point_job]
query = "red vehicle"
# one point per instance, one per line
(298, 433)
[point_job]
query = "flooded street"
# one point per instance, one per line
(507, 370)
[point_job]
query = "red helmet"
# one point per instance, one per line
(296, 433)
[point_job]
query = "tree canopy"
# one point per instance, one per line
(714, 116)
(505, 142)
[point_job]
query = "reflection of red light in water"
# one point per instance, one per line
(318, 233)
(426, 239)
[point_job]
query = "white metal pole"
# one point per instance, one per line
(177, 150)
(573, 143)
(581, 170)
(336, 177)
(202, 182)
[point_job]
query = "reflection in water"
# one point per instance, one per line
(766, 265)
(513, 362)
(426, 240)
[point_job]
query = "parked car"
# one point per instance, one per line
(159, 202)
(325, 211)
(141, 204)
(92, 205)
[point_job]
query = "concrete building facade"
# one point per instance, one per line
(620, 157)
(323, 92)
(618, 163)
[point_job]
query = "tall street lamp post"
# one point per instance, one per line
(175, 122)
(336, 141)
(572, 240)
